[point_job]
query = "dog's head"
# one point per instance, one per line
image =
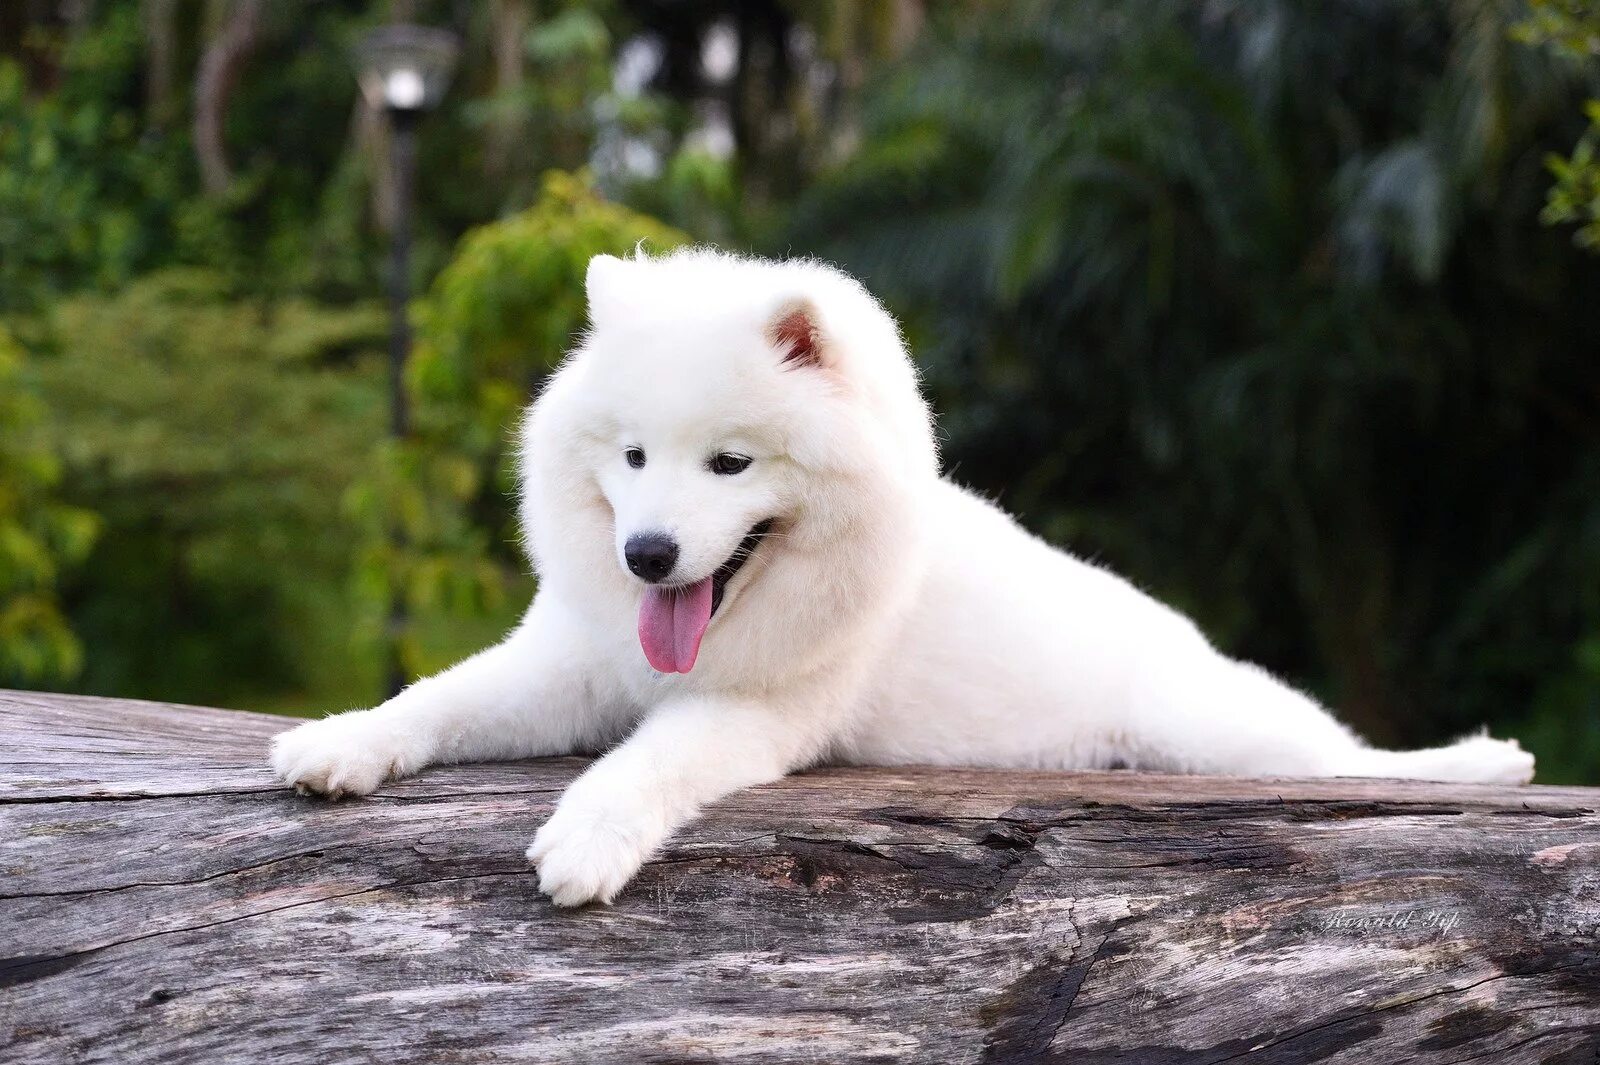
(720, 414)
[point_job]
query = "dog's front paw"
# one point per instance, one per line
(585, 858)
(348, 754)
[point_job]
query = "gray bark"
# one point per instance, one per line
(162, 900)
(215, 77)
(509, 21)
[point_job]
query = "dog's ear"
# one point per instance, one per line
(605, 284)
(794, 330)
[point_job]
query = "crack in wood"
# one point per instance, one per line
(253, 867)
(1589, 1056)
(22, 969)
(1386, 1008)
(33, 800)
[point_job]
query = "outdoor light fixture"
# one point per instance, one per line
(403, 71)
(405, 68)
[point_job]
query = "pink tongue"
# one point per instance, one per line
(671, 623)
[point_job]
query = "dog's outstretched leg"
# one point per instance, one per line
(1222, 716)
(687, 753)
(526, 696)
(1473, 760)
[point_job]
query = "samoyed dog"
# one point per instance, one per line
(748, 563)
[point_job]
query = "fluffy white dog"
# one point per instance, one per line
(748, 563)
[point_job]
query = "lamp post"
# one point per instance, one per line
(403, 71)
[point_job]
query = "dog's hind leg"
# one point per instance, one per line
(1313, 742)
(1474, 760)
(1216, 715)
(527, 696)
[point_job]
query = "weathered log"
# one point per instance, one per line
(163, 901)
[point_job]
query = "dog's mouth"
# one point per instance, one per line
(673, 617)
(736, 561)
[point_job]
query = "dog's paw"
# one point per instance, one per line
(585, 858)
(348, 754)
(1490, 761)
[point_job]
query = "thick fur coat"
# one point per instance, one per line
(748, 563)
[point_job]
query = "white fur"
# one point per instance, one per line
(891, 617)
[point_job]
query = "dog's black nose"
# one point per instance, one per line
(651, 556)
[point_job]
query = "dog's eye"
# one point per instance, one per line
(728, 464)
(635, 457)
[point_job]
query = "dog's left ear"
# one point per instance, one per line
(604, 284)
(794, 330)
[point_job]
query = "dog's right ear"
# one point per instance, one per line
(794, 330)
(605, 284)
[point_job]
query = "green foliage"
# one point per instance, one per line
(445, 560)
(40, 536)
(547, 116)
(1575, 197)
(1568, 26)
(1255, 308)
(216, 434)
(698, 193)
(1571, 28)
(499, 318)
(505, 310)
(97, 186)
(83, 196)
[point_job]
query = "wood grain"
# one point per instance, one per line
(162, 901)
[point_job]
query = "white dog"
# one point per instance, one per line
(748, 564)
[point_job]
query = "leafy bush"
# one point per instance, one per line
(1571, 28)
(83, 196)
(216, 435)
(508, 306)
(40, 536)
(1257, 309)
(499, 317)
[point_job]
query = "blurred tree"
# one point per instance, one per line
(498, 319)
(236, 28)
(215, 434)
(39, 536)
(84, 199)
(228, 133)
(551, 78)
(1249, 301)
(1572, 28)
(752, 100)
(505, 310)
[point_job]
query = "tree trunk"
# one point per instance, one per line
(509, 21)
(165, 901)
(161, 72)
(215, 78)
